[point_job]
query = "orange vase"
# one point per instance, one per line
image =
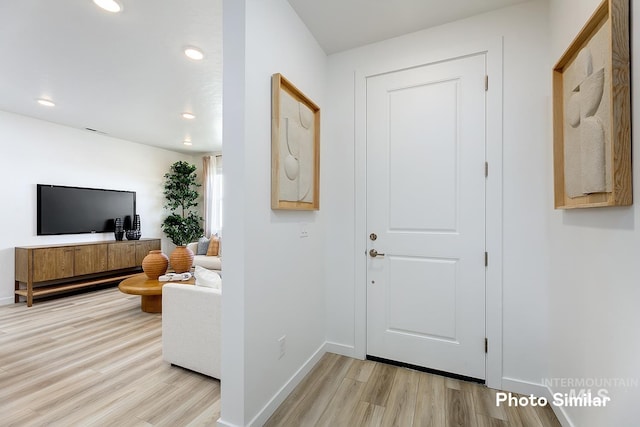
(181, 259)
(155, 264)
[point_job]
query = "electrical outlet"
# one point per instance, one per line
(282, 341)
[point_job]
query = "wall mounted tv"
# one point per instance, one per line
(76, 210)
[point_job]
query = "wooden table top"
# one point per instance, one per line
(140, 284)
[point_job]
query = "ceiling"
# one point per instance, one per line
(125, 74)
(122, 74)
(344, 24)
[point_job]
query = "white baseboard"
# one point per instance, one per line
(525, 387)
(222, 423)
(341, 349)
(7, 300)
(273, 404)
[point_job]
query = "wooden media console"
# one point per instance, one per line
(46, 270)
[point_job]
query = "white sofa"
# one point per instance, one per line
(210, 262)
(191, 327)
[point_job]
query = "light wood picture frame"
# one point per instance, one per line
(592, 113)
(295, 148)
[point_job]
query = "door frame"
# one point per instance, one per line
(493, 49)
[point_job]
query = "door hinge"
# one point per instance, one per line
(486, 259)
(486, 345)
(486, 169)
(486, 83)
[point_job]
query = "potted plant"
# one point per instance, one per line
(183, 225)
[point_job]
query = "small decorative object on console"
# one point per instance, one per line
(134, 233)
(118, 230)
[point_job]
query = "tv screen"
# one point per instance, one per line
(75, 210)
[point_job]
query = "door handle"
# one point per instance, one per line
(373, 253)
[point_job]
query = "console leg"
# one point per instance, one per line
(29, 294)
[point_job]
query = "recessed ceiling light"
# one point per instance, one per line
(109, 5)
(46, 102)
(188, 116)
(187, 142)
(194, 53)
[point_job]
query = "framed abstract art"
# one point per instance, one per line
(295, 148)
(592, 113)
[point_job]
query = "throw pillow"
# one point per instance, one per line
(214, 245)
(203, 246)
(219, 236)
(207, 278)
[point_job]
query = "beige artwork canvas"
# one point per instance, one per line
(295, 150)
(587, 90)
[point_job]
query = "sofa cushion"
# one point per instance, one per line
(210, 262)
(207, 278)
(203, 246)
(214, 245)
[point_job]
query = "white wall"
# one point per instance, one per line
(595, 273)
(526, 179)
(38, 152)
(274, 280)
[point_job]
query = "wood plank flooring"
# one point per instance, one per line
(340, 391)
(95, 359)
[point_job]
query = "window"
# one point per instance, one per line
(213, 195)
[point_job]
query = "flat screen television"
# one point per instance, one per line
(76, 210)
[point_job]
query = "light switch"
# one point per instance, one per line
(304, 230)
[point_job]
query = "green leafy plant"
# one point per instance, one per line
(183, 225)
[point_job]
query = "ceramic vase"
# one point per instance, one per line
(132, 234)
(181, 259)
(155, 264)
(118, 231)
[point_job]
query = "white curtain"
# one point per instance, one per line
(212, 166)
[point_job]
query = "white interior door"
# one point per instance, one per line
(426, 206)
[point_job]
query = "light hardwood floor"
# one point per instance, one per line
(96, 360)
(340, 391)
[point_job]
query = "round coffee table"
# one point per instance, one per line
(150, 291)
